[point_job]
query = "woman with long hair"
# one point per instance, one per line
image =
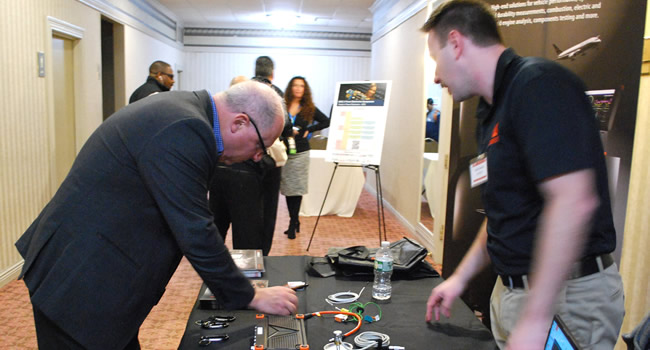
(306, 118)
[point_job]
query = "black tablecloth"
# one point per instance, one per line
(402, 317)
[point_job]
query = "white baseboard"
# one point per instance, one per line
(11, 274)
(420, 235)
(424, 237)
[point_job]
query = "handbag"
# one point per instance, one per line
(408, 260)
(278, 151)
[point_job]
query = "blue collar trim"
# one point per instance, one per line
(215, 127)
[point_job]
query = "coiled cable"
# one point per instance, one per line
(369, 339)
(343, 297)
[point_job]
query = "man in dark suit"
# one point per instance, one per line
(98, 257)
(246, 194)
(160, 79)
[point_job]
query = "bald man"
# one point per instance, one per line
(98, 257)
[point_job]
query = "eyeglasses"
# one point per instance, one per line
(258, 132)
(171, 76)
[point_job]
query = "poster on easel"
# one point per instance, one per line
(358, 122)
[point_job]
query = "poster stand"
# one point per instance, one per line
(381, 219)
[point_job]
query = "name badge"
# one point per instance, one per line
(478, 170)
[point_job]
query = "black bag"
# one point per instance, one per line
(408, 261)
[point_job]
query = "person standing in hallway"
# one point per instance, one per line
(265, 72)
(160, 79)
(100, 254)
(433, 121)
(305, 118)
(245, 195)
(549, 230)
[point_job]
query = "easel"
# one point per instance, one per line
(380, 203)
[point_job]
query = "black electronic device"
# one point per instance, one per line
(559, 337)
(280, 333)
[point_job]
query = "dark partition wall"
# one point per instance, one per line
(601, 41)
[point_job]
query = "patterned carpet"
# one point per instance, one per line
(164, 326)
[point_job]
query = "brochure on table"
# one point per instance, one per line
(358, 122)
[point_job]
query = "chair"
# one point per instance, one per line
(318, 142)
(430, 145)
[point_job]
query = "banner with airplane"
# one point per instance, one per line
(602, 42)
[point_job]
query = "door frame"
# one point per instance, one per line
(55, 26)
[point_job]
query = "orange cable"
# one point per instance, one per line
(358, 317)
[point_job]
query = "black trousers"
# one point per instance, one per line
(247, 198)
(270, 197)
(50, 336)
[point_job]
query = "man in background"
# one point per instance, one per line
(238, 79)
(161, 78)
(549, 230)
(264, 72)
(433, 121)
(245, 195)
(99, 255)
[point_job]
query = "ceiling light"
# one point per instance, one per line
(283, 19)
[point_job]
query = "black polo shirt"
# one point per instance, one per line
(540, 125)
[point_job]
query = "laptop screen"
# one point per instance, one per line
(559, 337)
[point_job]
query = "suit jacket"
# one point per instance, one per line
(150, 86)
(100, 254)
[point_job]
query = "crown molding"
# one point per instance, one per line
(142, 15)
(277, 33)
(383, 20)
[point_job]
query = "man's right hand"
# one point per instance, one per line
(443, 296)
(275, 300)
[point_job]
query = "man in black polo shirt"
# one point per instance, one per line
(541, 169)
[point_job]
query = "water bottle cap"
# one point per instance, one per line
(385, 243)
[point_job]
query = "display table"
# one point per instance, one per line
(344, 192)
(402, 317)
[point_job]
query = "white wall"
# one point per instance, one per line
(140, 50)
(213, 70)
(26, 157)
(26, 107)
(399, 56)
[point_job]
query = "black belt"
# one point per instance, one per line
(585, 267)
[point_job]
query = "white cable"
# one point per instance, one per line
(338, 298)
(342, 297)
(367, 340)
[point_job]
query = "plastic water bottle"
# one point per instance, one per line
(381, 289)
(292, 145)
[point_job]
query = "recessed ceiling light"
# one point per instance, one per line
(283, 19)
